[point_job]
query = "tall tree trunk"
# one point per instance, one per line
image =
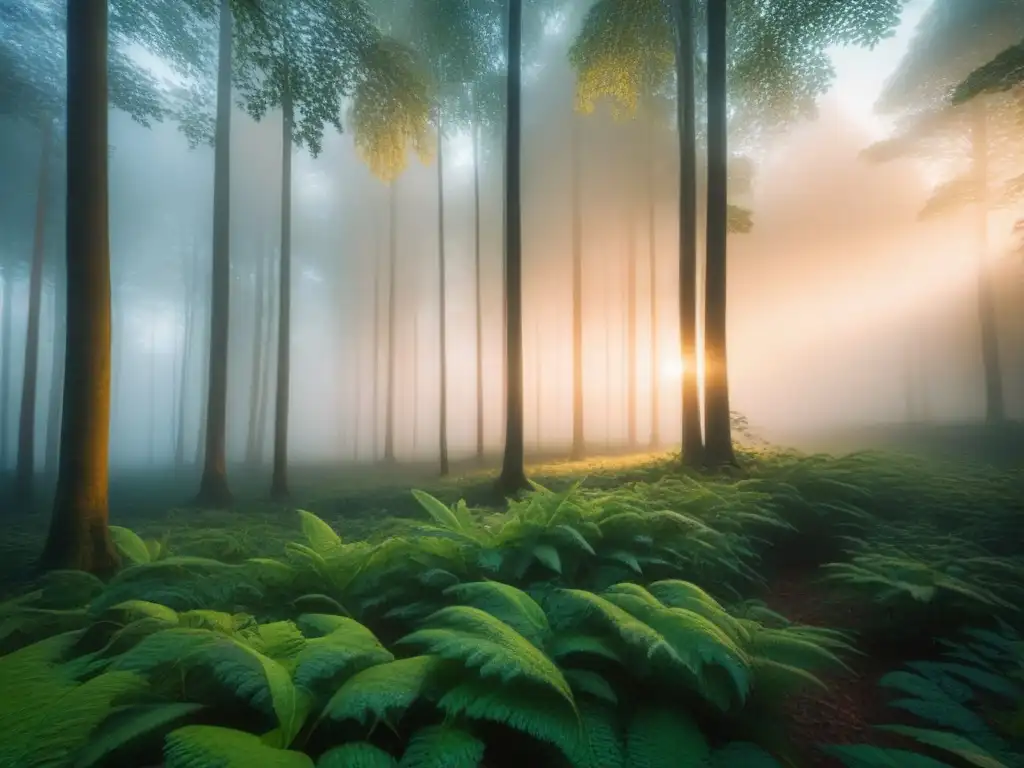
(358, 387)
(652, 246)
(213, 488)
(151, 420)
(995, 406)
(631, 327)
(607, 353)
(479, 296)
(442, 435)
(269, 334)
(513, 467)
(79, 536)
(575, 170)
(191, 284)
(718, 450)
(693, 443)
(537, 385)
(204, 402)
(389, 416)
(7, 320)
(279, 481)
(416, 380)
(56, 396)
(25, 470)
(256, 371)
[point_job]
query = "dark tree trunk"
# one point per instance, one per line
(718, 450)
(995, 406)
(279, 482)
(513, 467)
(652, 245)
(442, 436)
(191, 284)
(213, 488)
(79, 536)
(575, 170)
(259, 343)
(389, 416)
(5, 364)
(693, 443)
(479, 296)
(56, 396)
(204, 402)
(25, 470)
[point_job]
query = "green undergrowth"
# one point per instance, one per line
(584, 625)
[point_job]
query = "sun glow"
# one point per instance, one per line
(672, 369)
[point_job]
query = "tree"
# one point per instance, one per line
(32, 90)
(1002, 73)
(951, 40)
(513, 467)
(776, 65)
(79, 537)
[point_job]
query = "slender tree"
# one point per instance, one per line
(389, 416)
(442, 311)
(576, 171)
(513, 468)
(56, 399)
(79, 537)
(718, 450)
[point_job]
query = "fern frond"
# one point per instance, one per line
(131, 725)
(321, 537)
(508, 604)
(382, 692)
(442, 746)
(664, 738)
(349, 648)
(205, 746)
(358, 754)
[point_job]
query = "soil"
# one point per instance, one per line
(853, 703)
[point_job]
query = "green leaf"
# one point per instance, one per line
(321, 537)
(358, 754)
(382, 692)
(130, 545)
(131, 725)
(867, 756)
(437, 510)
(949, 742)
(443, 746)
(206, 746)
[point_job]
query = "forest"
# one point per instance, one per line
(488, 383)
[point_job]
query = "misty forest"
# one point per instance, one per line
(564, 383)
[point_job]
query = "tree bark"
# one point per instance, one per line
(389, 416)
(995, 406)
(279, 481)
(24, 474)
(718, 449)
(375, 367)
(256, 370)
(56, 396)
(269, 334)
(479, 296)
(151, 416)
(442, 435)
(693, 443)
(652, 245)
(416, 381)
(79, 536)
(578, 449)
(513, 468)
(213, 488)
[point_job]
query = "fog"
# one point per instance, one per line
(845, 308)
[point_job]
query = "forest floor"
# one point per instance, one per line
(374, 501)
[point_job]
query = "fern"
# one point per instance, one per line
(442, 746)
(359, 754)
(203, 746)
(129, 726)
(383, 692)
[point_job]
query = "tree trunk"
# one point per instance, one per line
(389, 416)
(269, 334)
(213, 488)
(256, 370)
(537, 387)
(607, 353)
(442, 435)
(575, 170)
(56, 396)
(693, 444)
(718, 450)
(416, 380)
(25, 470)
(652, 246)
(204, 402)
(995, 407)
(513, 467)
(375, 367)
(479, 296)
(79, 536)
(279, 481)
(190, 298)
(7, 320)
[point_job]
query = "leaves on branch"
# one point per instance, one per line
(950, 195)
(1004, 72)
